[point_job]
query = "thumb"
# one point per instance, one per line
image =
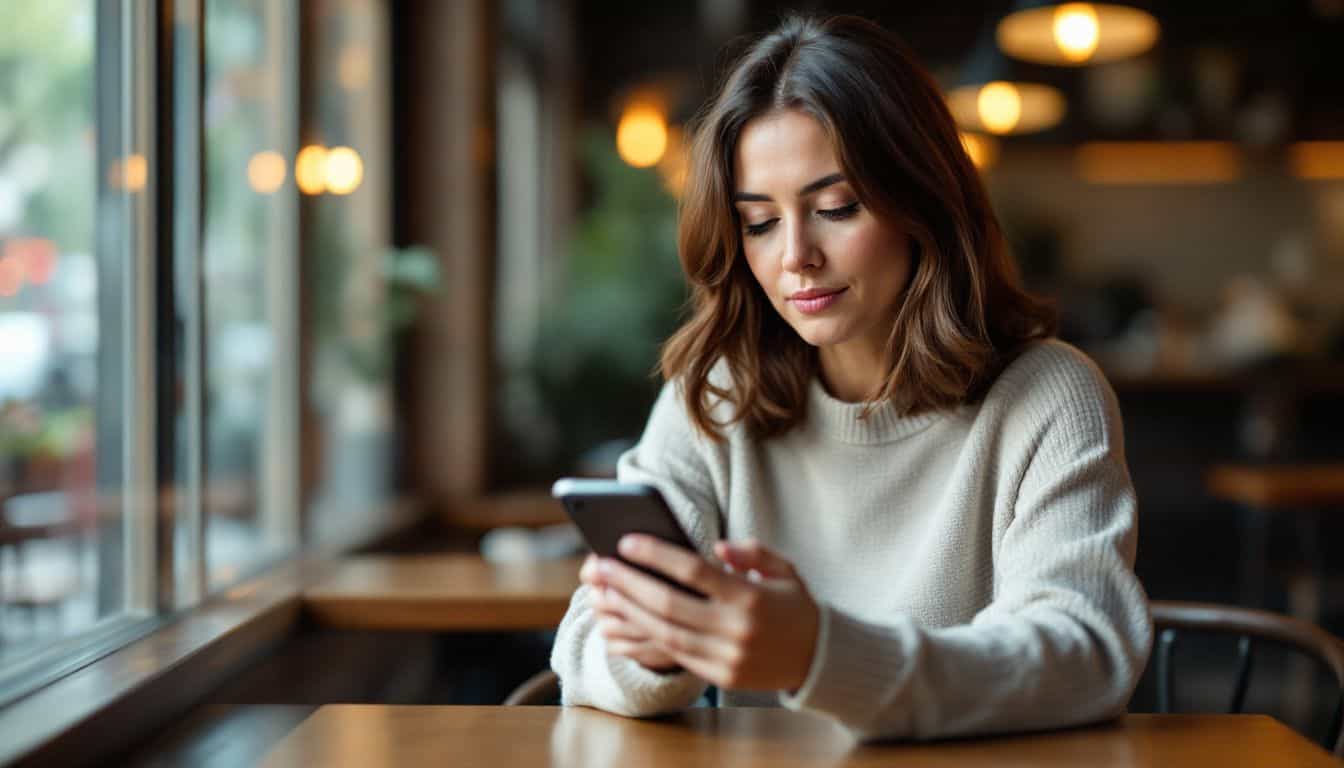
(751, 555)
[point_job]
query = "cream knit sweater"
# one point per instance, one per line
(974, 567)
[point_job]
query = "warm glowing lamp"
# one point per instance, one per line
(1075, 34)
(999, 106)
(266, 171)
(344, 170)
(992, 97)
(310, 169)
(641, 135)
(1077, 31)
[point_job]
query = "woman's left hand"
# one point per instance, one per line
(755, 628)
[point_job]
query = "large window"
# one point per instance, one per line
(194, 230)
(50, 336)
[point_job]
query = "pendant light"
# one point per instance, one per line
(1075, 34)
(995, 95)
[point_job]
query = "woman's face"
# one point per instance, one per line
(833, 270)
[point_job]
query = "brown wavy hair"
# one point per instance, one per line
(964, 314)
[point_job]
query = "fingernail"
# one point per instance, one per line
(605, 567)
(628, 545)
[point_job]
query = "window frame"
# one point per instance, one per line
(148, 71)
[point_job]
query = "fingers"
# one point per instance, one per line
(622, 630)
(624, 638)
(681, 565)
(653, 596)
(684, 644)
(645, 654)
(751, 555)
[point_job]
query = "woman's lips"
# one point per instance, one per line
(811, 302)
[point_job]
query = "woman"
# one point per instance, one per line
(912, 507)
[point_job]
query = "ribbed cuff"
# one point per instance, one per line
(647, 693)
(854, 670)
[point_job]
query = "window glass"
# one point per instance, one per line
(362, 291)
(250, 226)
(67, 336)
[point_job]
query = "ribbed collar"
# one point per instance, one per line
(843, 421)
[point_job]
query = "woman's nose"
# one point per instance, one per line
(800, 251)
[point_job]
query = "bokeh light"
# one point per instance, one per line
(310, 169)
(1076, 31)
(344, 170)
(1000, 106)
(266, 172)
(641, 136)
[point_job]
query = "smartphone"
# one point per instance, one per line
(606, 510)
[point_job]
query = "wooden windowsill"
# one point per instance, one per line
(105, 707)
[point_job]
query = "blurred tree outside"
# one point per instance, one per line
(594, 367)
(48, 327)
(46, 121)
(357, 331)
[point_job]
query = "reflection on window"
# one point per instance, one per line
(249, 259)
(356, 278)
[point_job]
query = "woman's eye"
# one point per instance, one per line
(760, 229)
(843, 212)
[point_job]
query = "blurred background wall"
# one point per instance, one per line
(1184, 206)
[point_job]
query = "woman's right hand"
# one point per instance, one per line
(623, 638)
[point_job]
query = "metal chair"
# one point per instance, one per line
(1251, 626)
(538, 690)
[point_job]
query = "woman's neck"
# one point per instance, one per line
(852, 372)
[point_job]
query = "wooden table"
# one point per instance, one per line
(363, 735)
(1279, 487)
(443, 593)
(1306, 491)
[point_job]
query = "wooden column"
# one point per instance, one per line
(449, 189)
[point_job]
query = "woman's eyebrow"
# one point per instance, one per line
(808, 188)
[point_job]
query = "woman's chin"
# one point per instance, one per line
(820, 334)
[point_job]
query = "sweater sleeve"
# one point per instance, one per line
(1068, 631)
(669, 457)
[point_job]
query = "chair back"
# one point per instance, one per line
(1250, 627)
(540, 689)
